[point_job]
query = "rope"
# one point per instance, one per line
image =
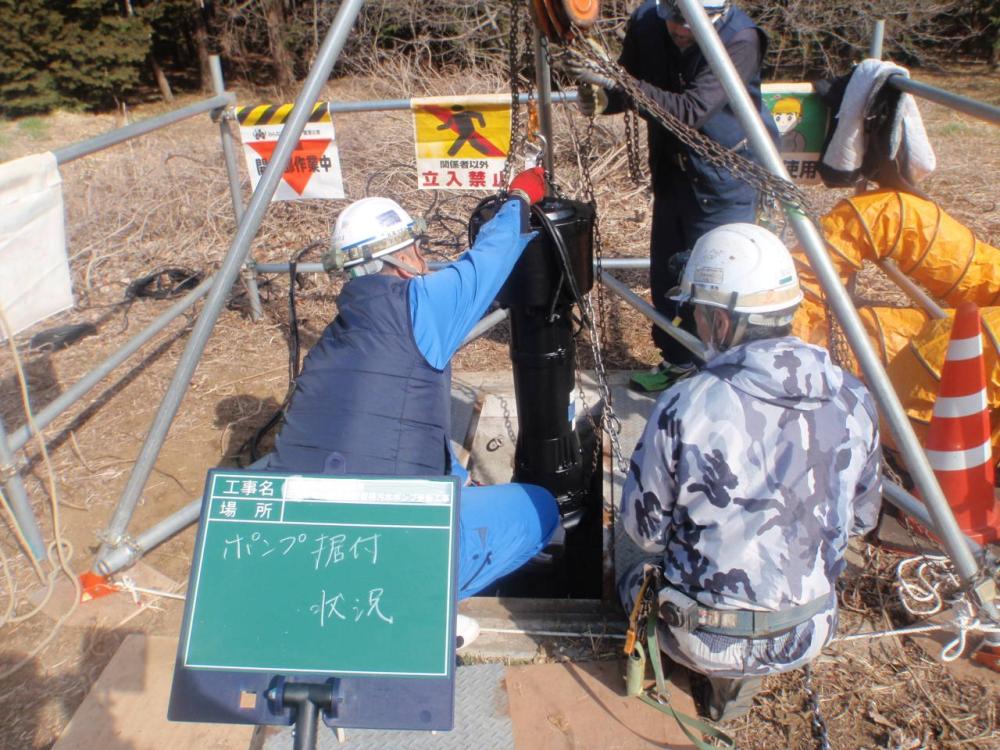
(128, 585)
(920, 594)
(59, 551)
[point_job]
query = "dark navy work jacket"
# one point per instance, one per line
(367, 402)
(651, 56)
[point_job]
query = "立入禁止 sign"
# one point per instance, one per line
(461, 141)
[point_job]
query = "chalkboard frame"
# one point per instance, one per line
(366, 701)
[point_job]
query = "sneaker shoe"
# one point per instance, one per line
(660, 377)
(466, 631)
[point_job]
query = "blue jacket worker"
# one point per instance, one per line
(690, 196)
(748, 479)
(374, 395)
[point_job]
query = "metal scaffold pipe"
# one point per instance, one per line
(986, 112)
(333, 43)
(20, 437)
(233, 175)
(17, 498)
(543, 80)
(878, 36)
(691, 342)
(878, 382)
(120, 135)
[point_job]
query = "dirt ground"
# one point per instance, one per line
(163, 201)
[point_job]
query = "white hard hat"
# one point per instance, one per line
(367, 230)
(742, 268)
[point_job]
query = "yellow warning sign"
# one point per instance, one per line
(461, 141)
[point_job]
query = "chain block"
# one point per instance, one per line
(558, 20)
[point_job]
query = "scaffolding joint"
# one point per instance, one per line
(123, 544)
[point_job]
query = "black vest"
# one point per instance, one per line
(666, 68)
(367, 402)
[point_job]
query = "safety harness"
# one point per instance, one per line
(644, 617)
(658, 600)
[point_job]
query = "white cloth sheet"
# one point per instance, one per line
(34, 268)
(909, 139)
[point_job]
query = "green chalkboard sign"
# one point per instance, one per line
(309, 574)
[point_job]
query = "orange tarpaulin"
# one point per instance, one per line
(940, 254)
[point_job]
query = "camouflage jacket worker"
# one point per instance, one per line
(746, 483)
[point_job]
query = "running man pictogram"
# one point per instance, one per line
(461, 121)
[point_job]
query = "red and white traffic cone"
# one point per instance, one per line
(988, 653)
(958, 442)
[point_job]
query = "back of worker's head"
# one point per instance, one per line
(368, 234)
(745, 272)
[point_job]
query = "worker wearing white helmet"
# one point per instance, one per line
(374, 395)
(749, 477)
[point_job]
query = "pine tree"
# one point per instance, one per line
(28, 29)
(100, 52)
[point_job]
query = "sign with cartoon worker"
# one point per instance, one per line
(461, 141)
(802, 121)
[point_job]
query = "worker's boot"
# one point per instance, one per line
(726, 699)
(660, 377)
(466, 631)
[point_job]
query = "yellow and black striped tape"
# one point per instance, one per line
(273, 114)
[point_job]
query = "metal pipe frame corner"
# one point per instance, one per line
(17, 498)
(944, 523)
(236, 257)
(233, 176)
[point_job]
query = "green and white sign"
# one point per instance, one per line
(802, 121)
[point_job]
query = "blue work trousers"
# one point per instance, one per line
(501, 528)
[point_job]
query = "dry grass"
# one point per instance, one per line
(164, 201)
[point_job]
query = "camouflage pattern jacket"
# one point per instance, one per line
(745, 484)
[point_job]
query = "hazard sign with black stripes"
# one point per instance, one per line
(313, 169)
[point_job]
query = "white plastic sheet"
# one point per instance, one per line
(34, 268)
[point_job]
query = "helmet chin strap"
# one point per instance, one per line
(393, 261)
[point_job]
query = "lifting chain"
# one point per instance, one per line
(750, 172)
(818, 723)
(635, 169)
(518, 42)
(777, 189)
(609, 420)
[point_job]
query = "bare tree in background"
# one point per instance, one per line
(200, 35)
(277, 43)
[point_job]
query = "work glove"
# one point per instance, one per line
(585, 74)
(591, 100)
(591, 93)
(529, 185)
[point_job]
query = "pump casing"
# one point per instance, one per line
(556, 446)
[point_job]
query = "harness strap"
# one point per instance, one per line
(746, 623)
(659, 698)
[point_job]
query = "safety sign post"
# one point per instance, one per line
(314, 168)
(462, 142)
